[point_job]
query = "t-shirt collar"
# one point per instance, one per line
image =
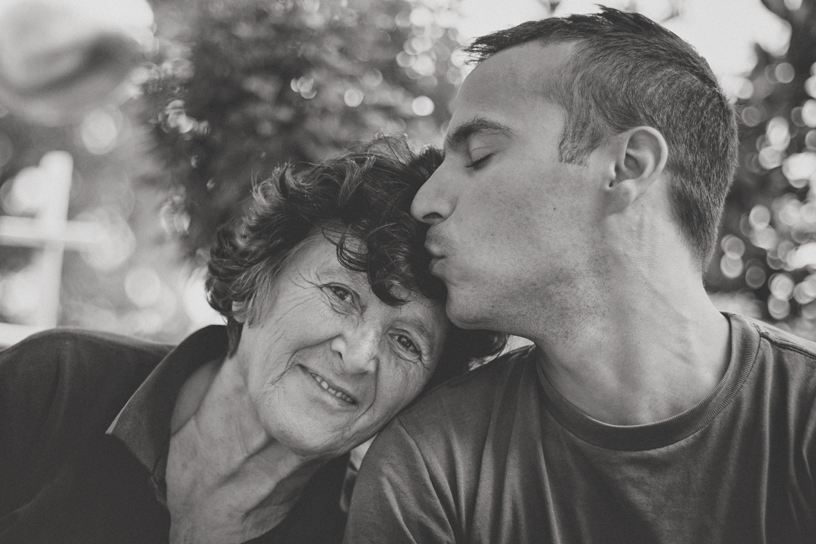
(744, 349)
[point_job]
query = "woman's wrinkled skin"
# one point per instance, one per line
(323, 366)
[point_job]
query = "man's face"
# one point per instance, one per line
(511, 225)
(327, 363)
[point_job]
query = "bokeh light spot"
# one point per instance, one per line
(809, 113)
(751, 116)
(26, 193)
(770, 158)
(755, 276)
(760, 217)
(99, 130)
(353, 97)
(143, 286)
(422, 106)
(799, 166)
(765, 238)
(805, 292)
(810, 139)
(802, 256)
(421, 16)
(731, 267)
(789, 213)
(808, 212)
(784, 72)
(372, 78)
(732, 246)
(781, 286)
(19, 294)
(779, 309)
(777, 133)
(405, 59)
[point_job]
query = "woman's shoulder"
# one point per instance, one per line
(71, 377)
(78, 356)
(68, 341)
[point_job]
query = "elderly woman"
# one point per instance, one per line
(241, 432)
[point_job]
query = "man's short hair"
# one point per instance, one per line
(628, 71)
(359, 196)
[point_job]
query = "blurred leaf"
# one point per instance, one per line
(241, 86)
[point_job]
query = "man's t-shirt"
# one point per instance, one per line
(499, 456)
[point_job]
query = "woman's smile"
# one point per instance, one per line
(333, 390)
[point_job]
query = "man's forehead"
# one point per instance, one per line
(501, 94)
(519, 71)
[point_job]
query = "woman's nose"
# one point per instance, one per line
(433, 202)
(358, 350)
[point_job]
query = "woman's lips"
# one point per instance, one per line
(331, 388)
(434, 264)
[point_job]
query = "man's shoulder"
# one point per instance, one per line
(469, 399)
(781, 342)
(777, 360)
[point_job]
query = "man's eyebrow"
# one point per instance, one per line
(462, 133)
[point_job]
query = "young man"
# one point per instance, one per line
(586, 167)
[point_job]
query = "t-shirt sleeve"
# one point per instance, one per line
(395, 499)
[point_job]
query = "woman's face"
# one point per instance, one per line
(327, 363)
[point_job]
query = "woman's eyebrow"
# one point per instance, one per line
(424, 332)
(460, 136)
(340, 272)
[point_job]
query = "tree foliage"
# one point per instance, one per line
(241, 86)
(768, 245)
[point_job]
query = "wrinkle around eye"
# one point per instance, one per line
(415, 355)
(341, 293)
(334, 293)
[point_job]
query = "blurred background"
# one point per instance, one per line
(130, 130)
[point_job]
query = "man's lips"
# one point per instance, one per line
(432, 245)
(331, 388)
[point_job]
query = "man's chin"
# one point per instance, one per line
(462, 315)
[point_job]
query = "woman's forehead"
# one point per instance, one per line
(319, 257)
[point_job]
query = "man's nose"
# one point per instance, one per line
(434, 201)
(358, 348)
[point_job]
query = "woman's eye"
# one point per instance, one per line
(340, 293)
(408, 345)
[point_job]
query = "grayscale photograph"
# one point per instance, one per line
(407, 271)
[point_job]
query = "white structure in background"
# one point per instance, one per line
(50, 234)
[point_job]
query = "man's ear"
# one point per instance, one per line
(238, 313)
(640, 156)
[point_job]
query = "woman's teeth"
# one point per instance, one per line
(325, 385)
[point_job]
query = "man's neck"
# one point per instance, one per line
(650, 346)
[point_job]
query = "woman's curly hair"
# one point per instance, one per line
(363, 196)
